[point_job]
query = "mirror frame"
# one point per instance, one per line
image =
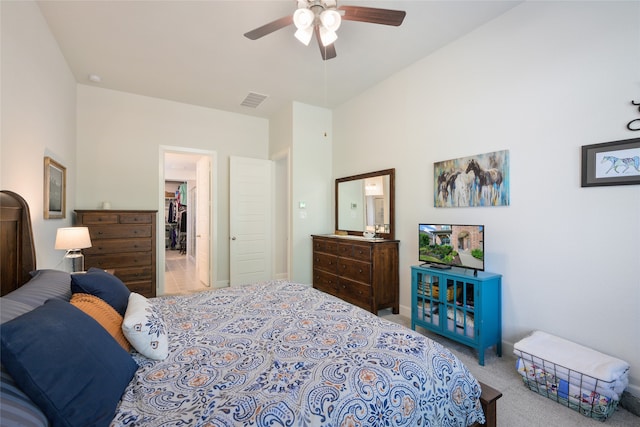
(392, 173)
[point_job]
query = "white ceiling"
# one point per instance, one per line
(195, 52)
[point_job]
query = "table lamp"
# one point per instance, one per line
(73, 239)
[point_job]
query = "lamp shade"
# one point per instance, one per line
(73, 238)
(330, 19)
(327, 37)
(303, 18)
(304, 35)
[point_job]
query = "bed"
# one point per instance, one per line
(268, 354)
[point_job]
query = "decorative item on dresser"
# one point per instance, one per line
(123, 241)
(361, 271)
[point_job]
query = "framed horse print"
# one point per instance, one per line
(481, 180)
(55, 189)
(611, 163)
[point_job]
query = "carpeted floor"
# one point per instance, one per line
(518, 406)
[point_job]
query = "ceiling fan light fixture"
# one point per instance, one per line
(304, 35)
(322, 18)
(330, 19)
(303, 18)
(327, 37)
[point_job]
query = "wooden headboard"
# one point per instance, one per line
(17, 250)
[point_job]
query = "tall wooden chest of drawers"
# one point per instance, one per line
(124, 241)
(361, 271)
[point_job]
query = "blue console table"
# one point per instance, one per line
(459, 305)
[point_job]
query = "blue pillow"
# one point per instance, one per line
(16, 409)
(67, 364)
(104, 285)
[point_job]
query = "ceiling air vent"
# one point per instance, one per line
(253, 100)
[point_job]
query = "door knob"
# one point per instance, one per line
(233, 238)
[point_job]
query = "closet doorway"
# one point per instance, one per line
(187, 235)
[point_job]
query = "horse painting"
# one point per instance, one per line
(625, 163)
(447, 184)
(485, 177)
(481, 180)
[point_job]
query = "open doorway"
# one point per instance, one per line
(186, 236)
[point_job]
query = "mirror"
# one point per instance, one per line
(365, 202)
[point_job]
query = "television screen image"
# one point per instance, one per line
(451, 245)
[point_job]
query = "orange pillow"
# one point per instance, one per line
(104, 314)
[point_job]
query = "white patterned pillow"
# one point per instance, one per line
(145, 329)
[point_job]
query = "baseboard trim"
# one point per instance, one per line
(630, 402)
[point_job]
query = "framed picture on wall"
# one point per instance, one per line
(611, 163)
(55, 189)
(473, 181)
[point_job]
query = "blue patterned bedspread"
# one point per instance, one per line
(285, 354)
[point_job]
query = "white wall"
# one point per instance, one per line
(312, 148)
(38, 118)
(541, 81)
(119, 135)
(280, 144)
(281, 131)
(305, 131)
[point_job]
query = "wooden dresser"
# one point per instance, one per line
(123, 241)
(361, 271)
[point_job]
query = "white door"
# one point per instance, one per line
(203, 207)
(250, 213)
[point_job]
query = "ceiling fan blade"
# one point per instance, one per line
(373, 15)
(269, 28)
(327, 52)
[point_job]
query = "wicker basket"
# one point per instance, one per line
(541, 376)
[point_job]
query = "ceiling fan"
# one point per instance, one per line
(322, 18)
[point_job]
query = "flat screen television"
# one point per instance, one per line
(451, 245)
